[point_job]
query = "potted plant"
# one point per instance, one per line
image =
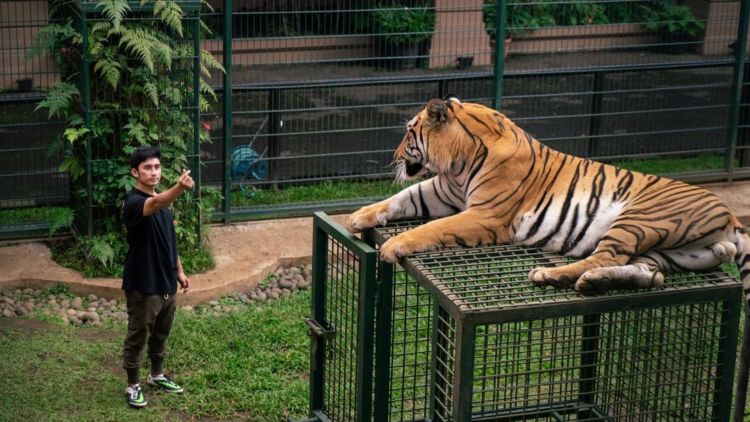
(405, 31)
(675, 23)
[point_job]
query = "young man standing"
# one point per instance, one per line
(152, 271)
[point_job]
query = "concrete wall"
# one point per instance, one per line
(722, 19)
(248, 51)
(459, 32)
(20, 21)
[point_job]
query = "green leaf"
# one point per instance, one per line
(109, 67)
(114, 10)
(170, 13)
(59, 100)
(73, 134)
(152, 92)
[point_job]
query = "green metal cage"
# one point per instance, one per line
(460, 334)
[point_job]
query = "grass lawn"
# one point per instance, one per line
(248, 365)
(674, 165)
(340, 190)
(328, 190)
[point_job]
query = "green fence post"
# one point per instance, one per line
(318, 312)
(589, 354)
(365, 344)
(196, 165)
(742, 376)
(730, 322)
(383, 314)
(86, 88)
(227, 118)
(502, 8)
(739, 68)
(464, 375)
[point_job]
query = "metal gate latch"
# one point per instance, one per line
(319, 330)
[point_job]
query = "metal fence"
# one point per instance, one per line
(29, 173)
(318, 92)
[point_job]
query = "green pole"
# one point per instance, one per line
(502, 8)
(227, 129)
(86, 88)
(196, 165)
(464, 374)
(318, 311)
(368, 264)
(739, 68)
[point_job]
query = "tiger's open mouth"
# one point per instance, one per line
(412, 169)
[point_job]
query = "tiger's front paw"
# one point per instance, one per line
(368, 217)
(543, 277)
(393, 249)
(397, 247)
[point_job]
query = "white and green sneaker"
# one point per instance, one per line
(164, 383)
(134, 396)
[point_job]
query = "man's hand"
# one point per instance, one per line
(185, 181)
(184, 282)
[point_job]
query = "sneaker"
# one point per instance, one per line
(165, 383)
(134, 396)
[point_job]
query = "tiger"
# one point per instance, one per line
(493, 183)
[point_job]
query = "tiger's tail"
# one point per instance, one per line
(743, 263)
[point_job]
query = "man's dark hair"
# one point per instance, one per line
(142, 154)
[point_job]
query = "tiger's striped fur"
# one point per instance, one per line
(494, 184)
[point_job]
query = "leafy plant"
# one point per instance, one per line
(61, 41)
(56, 217)
(668, 16)
(102, 250)
(528, 15)
(520, 17)
(141, 90)
(404, 25)
(94, 256)
(57, 289)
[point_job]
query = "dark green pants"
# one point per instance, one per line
(149, 322)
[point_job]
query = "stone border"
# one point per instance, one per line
(95, 311)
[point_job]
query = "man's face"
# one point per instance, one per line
(148, 172)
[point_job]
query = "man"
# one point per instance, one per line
(152, 271)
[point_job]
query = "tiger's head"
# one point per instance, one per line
(442, 137)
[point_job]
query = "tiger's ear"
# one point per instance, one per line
(437, 112)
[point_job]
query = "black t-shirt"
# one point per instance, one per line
(151, 264)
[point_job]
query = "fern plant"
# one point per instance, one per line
(141, 89)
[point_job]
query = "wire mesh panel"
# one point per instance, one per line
(342, 326)
(318, 92)
(29, 172)
(445, 364)
(636, 378)
(410, 349)
(342, 305)
(556, 355)
(321, 89)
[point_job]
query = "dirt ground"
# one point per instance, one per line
(245, 253)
